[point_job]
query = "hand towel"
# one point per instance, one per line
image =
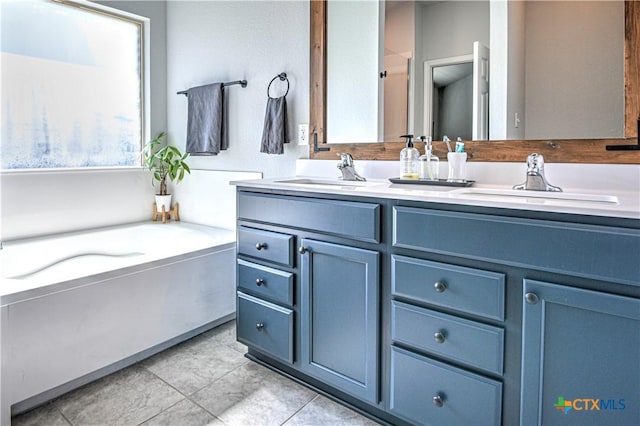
(274, 133)
(206, 120)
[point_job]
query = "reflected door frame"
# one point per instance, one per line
(427, 126)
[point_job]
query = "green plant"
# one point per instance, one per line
(165, 160)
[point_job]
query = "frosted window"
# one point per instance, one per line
(71, 87)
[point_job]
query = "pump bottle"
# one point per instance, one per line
(409, 160)
(429, 164)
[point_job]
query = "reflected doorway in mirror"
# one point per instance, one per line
(456, 96)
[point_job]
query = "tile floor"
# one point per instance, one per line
(203, 381)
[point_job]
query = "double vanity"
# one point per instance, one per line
(438, 305)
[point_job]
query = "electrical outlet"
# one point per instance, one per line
(303, 134)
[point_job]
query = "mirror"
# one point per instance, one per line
(556, 148)
(380, 57)
(383, 53)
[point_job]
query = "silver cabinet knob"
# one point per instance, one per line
(259, 282)
(438, 401)
(303, 250)
(440, 286)
(260, 246)
(439, 337)
(531, 298)
(259, 326)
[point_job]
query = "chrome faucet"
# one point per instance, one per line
(346, 167)
(535, 176)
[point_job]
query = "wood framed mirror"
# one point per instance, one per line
(554, 150)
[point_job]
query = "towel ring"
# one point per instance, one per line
(282, 76)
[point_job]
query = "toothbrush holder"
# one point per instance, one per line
(457, 166)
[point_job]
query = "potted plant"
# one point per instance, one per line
(164, 161)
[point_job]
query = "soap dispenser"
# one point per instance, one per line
(409, 160)
(429, 164)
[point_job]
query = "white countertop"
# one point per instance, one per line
(595, 202)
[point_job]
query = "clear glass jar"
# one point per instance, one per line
(429, 166)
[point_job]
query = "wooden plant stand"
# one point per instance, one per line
(166, 214)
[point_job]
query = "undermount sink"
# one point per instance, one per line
(327, 182)
(533, 196)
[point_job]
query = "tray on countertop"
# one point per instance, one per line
(439, 182)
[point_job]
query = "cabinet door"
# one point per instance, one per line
(339, 311)
(580, 357)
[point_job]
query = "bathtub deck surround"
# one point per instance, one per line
(108, 305)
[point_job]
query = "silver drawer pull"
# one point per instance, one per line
(260, 246)
(439, 337)
(259, 326)
(440, 286)
(303, 250)
(531, 298)
(259, 282)
(438, 401)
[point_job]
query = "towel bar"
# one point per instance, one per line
(242, 83)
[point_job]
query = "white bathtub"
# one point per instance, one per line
(78, 306)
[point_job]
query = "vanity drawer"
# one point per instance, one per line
(465, 289)
(469, 342)
(266, 245)
(592, 251)
(424, 391)
(347, 219)
(265, 326)
(262, 281)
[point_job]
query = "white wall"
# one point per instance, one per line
(506, 75)
(216, 41)
(456, 109)
(207, 198)
(559, 65)
(573, 90)
(516, 72)
(451, 27)
(40, 203)
(499, 57)
(399, 40)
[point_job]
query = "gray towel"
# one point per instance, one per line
(274, 133)
(206, 120)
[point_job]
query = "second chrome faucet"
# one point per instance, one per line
(536, 180)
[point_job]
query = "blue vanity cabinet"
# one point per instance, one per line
(425, 313)
(339, 309)
(310, 266)
(580, 357)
